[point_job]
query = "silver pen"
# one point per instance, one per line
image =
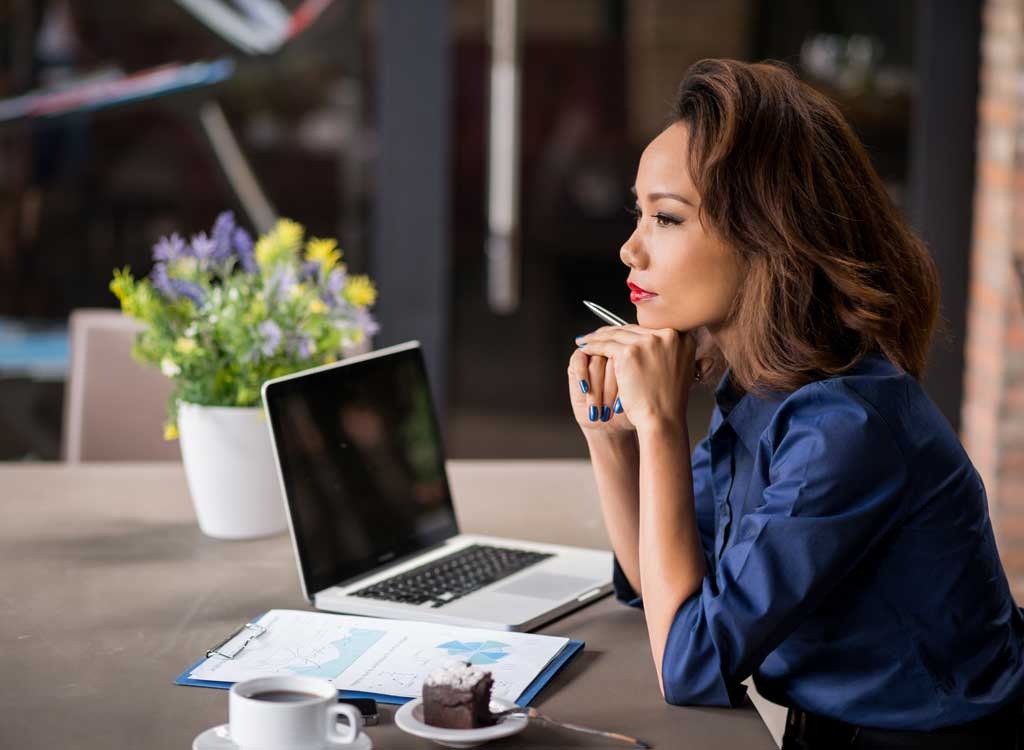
(613, 319)
(607, 317)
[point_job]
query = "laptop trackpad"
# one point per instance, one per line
(547, 586)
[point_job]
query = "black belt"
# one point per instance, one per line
(1002, 730)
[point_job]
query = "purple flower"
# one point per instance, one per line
(189, 290)
(310, 271)
(203, 247)
(161, 281)
(271, 333)
(301, 346)
(243, 246)
(169, 248)
(333, 287)
(223, 229)
(280, 282)
(366, 321)
(172, 289)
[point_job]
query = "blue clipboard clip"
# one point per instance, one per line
(237, 641)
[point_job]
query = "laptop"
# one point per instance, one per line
(362, 471)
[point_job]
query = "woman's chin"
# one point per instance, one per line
(647, 318)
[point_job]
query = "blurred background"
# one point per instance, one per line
(372, 125)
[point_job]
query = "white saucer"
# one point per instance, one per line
(409, 718)
(218, 738)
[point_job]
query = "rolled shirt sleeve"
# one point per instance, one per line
(835, 479)
(704, 504)
(624, 590)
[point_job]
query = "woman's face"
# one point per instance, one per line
(689, 275)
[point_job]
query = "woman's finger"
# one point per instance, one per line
(619, 333)
(595, 367)
(579, 377)
(606, 347)
(611, 393)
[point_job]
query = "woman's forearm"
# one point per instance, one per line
(616, 462)
(671, 560)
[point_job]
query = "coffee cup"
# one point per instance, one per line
(289, 713)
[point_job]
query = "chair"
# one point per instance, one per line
(114, 407)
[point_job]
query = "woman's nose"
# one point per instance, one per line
(630, 253)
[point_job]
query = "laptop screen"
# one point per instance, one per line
(363, 465)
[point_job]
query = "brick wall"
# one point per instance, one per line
(993, 410)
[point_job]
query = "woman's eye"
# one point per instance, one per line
(661, 219)
(664, 220)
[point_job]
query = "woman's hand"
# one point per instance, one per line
(593, 393)
(647, 371)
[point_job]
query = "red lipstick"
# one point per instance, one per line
(638, 294)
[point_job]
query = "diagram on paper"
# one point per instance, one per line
(316, 651)
(346, 651)
(476, 652)
(380, 656)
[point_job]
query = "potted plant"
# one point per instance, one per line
(222, 315)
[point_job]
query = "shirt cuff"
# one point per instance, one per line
(692, 663)
(624, 591)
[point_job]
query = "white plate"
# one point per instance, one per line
(409, 718)
(219, 738)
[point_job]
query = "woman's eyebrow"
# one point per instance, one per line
(673, 196)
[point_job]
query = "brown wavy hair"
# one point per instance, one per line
(833, 271)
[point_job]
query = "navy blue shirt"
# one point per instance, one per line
(851, 564)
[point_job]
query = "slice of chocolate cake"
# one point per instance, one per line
(458, 697)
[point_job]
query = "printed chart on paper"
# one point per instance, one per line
(381, 656)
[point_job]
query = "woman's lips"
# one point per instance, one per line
(638, 294)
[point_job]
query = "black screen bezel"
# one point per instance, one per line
(275, 394)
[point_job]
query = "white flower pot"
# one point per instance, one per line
(231, 471)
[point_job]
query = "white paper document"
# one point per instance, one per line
(381, 656)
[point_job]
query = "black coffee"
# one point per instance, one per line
(284, 696)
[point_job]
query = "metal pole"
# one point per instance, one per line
(504, 259)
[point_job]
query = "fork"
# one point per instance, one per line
(533, 713)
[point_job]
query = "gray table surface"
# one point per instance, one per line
(109, 590)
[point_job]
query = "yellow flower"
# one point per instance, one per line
(360, 291)
(184, 345)
(264, 250)
(170, 431)
(280, 244)
(317, 307)
(289, 234)
(122, 283)
(323, 251)
(298, 290)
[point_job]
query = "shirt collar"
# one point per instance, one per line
(749, 415)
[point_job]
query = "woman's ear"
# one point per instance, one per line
(708, 356)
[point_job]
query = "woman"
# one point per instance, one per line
(830, 536)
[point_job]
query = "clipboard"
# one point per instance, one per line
(235, 643)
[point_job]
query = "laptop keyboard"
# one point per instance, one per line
(446, 579)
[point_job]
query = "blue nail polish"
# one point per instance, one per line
(593, 413)
(606, 413)
(584, 387)
(618, 406)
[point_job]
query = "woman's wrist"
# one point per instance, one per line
(662, 430)
(608, 441)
